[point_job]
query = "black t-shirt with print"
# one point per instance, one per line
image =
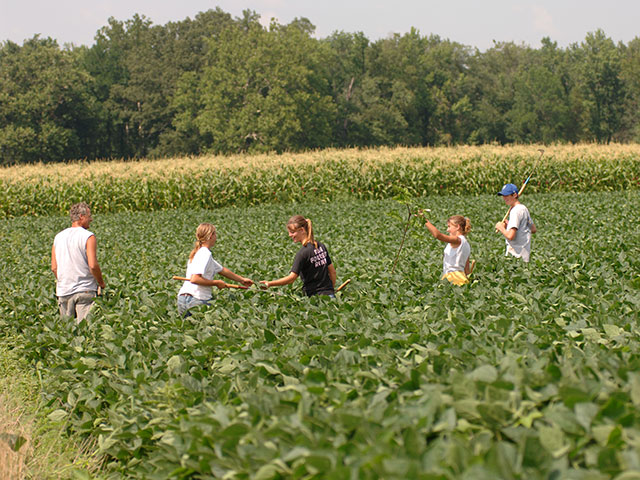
(312, 265)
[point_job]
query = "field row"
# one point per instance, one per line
(529, 372)
(213, 182)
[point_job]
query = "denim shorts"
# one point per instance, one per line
(186, 301)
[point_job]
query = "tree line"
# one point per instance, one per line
(218, 84)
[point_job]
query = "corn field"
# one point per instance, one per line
(217, 181)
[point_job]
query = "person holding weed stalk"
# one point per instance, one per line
(518, 229)
(201, 268)
(455, 261)
(312, 263)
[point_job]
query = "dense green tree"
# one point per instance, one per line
(630, 75)
(186, 55)
(137, 68)
(396, 71)
(541, 110)
(131, 62)
(600, 91)
(262, 90)
(491, 80)
(109, 61)
(346, 69)
(379, 114)
(445, 66)
(47, 112)
(409, 93)
(220, 84)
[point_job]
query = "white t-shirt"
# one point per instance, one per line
(74, 275)
(520, 219)
(455, 259)
(202, 264)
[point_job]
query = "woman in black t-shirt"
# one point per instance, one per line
(312, 262)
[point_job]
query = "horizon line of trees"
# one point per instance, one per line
(217, 84)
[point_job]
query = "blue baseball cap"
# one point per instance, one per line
(508, 189)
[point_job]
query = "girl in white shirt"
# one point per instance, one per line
(455, 262)
(201, 269)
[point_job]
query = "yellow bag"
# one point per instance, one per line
(457, 278)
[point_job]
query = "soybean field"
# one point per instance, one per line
(530, 372)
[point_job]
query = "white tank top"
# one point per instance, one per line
(73, 268)
(455, 259)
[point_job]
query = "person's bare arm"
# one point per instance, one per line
(200, 280)
(508, 234)
(281, 281)
(235, 277)
(333, 275)
(54, 263)
(92, 259)
(453, 240)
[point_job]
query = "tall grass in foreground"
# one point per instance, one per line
(31, 446)
(210, 181)
(13, 453)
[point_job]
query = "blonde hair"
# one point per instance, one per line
(298, 221)
(204, 233)
(463, 222)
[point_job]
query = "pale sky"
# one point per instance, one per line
(475, 23)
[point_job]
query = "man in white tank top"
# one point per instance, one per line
(74, 262)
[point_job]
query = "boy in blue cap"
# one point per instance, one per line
(519, 227)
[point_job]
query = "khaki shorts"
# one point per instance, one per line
(76, 305)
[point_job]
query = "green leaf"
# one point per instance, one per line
(235, 430)
(174, 364)
(396, 467)
(571, 395)
(601, 433)
(612, 331)
(269, 336)
(585, 413)
(634, 381)
(628, 475)
(494, 414)
(608, 460)
(527, 420)
(81, 474)
(267, 472)
(272, 370)
(295, 453)
(314, 376)
(57, 415)
(14, 441)
(552, 439)
(484, 373)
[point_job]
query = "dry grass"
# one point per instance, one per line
(46, 451)
(13, 427)
(245, 164)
